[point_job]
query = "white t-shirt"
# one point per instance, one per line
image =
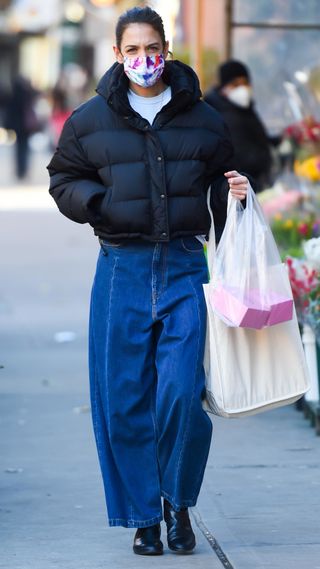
(148, 108)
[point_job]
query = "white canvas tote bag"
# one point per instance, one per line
(248, 370)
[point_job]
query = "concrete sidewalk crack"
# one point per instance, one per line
(211, 539)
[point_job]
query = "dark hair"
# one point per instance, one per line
(139, 15)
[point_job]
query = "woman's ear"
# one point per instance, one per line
(166, 49)
(118, 54)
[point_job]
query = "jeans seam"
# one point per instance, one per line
(184, 441)
(196, 491)
(155, 430)
(95, 424)
(154, 284)
(163, 270)
(129, 523)
(182, 504)
(94, 411)
(107, 340)
(197, 371)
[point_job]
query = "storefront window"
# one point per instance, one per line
(280, 42)
(277, 11)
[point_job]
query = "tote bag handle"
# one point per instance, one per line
(211, 246)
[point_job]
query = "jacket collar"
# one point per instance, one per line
(184, 84)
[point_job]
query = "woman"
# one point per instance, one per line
(135, 162)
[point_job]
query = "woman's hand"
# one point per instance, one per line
(238, 184)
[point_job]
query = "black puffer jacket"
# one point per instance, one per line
(250, 140)
(129, 179)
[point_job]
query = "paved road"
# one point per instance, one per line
(260, 498)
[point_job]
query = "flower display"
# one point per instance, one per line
(304, 139)
(311, 250)
(304, 279)
(306, 131)
(274, 201)
(309, 168)
(312, 311)
(291, 231)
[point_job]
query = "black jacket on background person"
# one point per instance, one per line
(20, 115)
(250, 140)
(130, 179)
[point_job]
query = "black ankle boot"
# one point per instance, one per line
(181, 538)
(147, 541)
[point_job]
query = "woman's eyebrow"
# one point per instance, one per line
(154, 44)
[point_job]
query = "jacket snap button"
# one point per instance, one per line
(163, 234)
(159, 158)
(162, 196)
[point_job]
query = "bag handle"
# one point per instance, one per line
(211, 245)
(233, 204)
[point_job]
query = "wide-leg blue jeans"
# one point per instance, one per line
(146, 344)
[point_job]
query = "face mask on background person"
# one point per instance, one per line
(144, 71)
(240, 96)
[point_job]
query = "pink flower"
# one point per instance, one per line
(303, 228)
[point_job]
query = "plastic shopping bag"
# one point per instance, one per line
(251, 287)
(249, 370)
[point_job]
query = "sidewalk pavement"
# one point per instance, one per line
(259, 503)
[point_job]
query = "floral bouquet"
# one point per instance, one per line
(304, 139)
(304, 275)
(290, 231)
(312, 310)
(275, 200)
(303, 280)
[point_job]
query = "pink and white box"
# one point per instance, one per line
(249, 312)
(281, 309)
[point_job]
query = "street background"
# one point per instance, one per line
(259, 503)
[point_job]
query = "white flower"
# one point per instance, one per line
(312, 252)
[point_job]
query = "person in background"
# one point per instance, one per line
(21, 116)
(60, 112)
(232, 97)
(70, 91)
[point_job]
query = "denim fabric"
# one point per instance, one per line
(146, 343)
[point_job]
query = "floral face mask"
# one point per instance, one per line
(144, 71)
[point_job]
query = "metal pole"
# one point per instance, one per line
(228, 28)
(196, 37)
